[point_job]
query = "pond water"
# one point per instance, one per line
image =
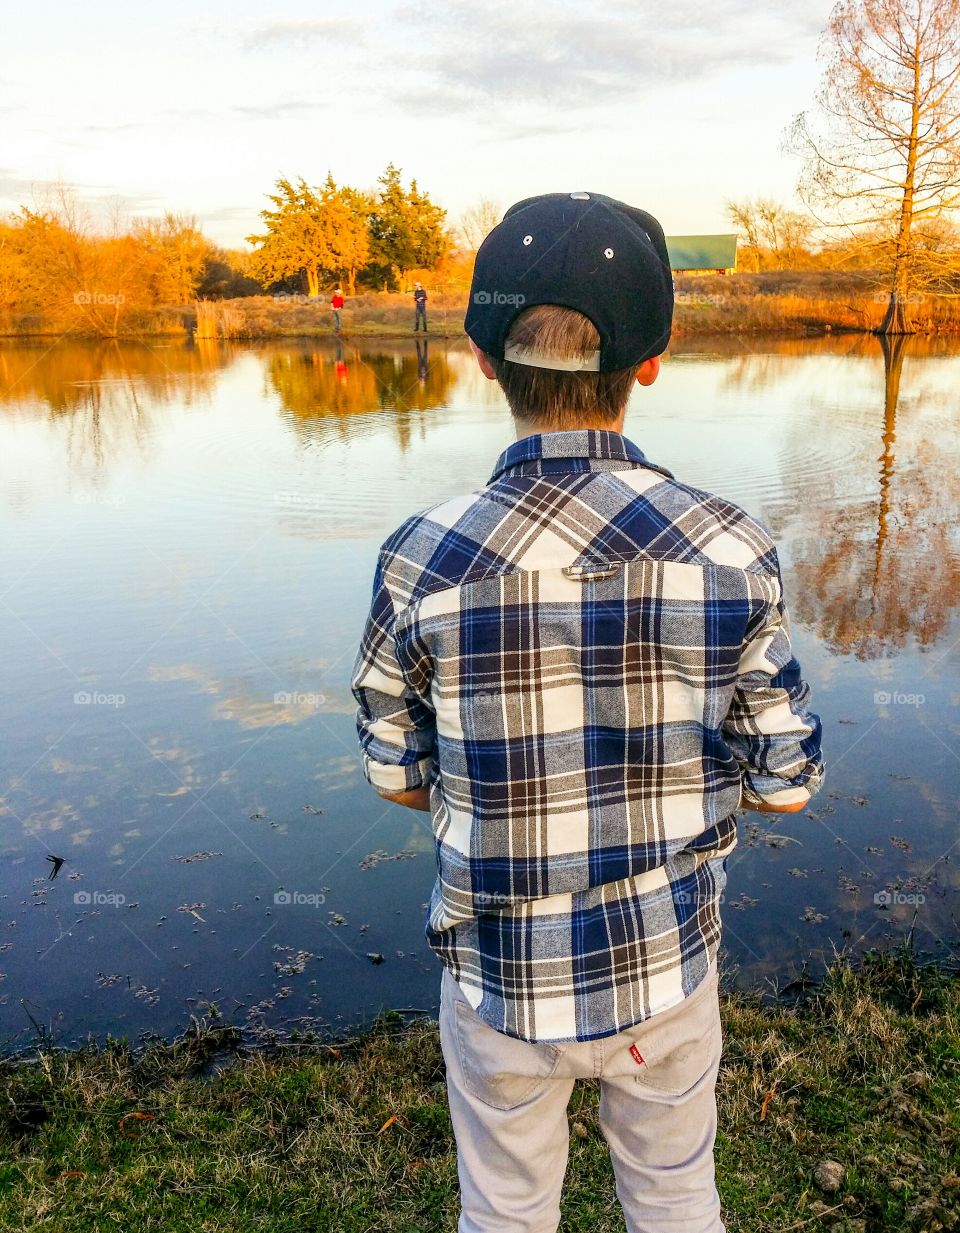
(187, 538)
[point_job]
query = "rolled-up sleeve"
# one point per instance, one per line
(395, 722)
(770, 728)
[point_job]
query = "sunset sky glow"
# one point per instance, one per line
(199, 109)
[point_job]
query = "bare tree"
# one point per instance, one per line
(773, 218)
(776, 237)
(743, 214)
(887, 149)
(477, 222)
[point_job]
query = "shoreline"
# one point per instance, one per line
(823, 329)
(862, 1069)
(789, 304)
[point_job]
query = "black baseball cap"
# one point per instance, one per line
(584, 251)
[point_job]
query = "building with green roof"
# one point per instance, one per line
(702, 254)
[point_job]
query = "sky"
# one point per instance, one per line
(198, 108)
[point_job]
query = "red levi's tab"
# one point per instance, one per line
(636, 1055)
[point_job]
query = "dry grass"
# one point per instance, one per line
(372, 314)
(799, 302)
(783, 302)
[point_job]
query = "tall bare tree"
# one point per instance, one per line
(886, 148)
(477, 222)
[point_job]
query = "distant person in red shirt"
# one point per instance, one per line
(336, 303)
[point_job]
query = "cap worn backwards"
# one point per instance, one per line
(601, 257)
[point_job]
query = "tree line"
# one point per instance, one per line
(60, 271)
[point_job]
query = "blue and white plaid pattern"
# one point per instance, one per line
(589, 664)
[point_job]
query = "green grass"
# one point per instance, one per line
(865, 1072)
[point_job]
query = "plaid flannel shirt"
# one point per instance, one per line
(589, 665)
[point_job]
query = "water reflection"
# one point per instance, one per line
(314, 382)
(64, 376)
(195, 529)
(107, 393)
(880, 568)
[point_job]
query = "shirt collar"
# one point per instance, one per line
(596, 449)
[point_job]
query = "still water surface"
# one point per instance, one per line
(187, 542)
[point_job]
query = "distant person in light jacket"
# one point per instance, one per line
(420, 303)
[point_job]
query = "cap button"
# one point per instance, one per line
(580, 196)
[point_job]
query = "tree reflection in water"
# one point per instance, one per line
(108, 393)
(872, 574)
(315, 382)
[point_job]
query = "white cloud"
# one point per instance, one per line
(303, 32)
(506, 53)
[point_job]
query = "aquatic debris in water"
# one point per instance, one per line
(268, 1003)
(296, 962)
(375, 957)
(337, 919)
(903, 844)
(812, 915)
(797, 873)
(195, 856)
(372, 859)
(743, 901)
(193, 909)
(104, 980)
(311, 809)
(846, 883)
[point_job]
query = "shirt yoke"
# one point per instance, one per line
(550, 521)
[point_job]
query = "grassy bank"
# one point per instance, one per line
(200, 1135)
(792, 303)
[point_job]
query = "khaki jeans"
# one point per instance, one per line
(508, 1103)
